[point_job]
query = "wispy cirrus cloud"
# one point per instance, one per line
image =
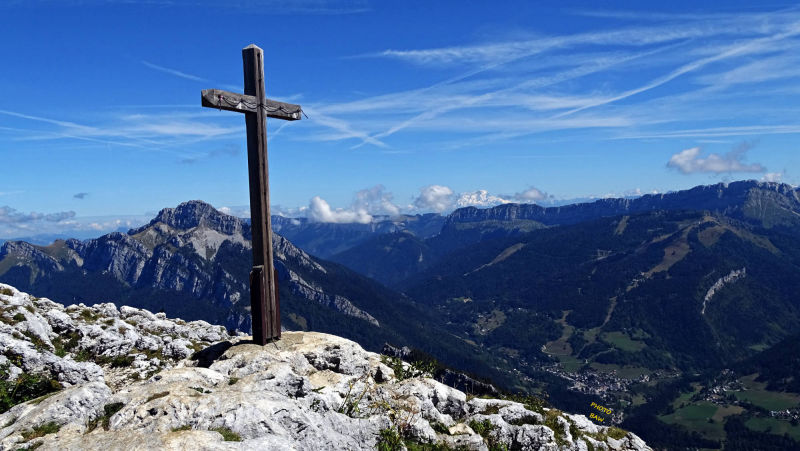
(174, 72)
(683, 66)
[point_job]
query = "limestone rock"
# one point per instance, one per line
(144, 386)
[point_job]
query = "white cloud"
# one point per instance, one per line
(321, 211)
(440, 198)
(375, 201)
(10, 215)
(437, 198)
(368, 202)
(531, 195)
(689, 161)
(773, 177)
(14, 224)
(479, 198)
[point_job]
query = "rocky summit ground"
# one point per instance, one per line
(102, 378)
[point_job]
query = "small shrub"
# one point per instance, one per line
(6, 291)
(485, 429)
(200, 389)
(83, 355)
(62, 347)
(25, 388)
(40, 431)
(439, 427)
(574, 431)
(38, 343)
(228, 435)
(30, 307)
(551, 421)
(185, 427)
(157, 395)
(58, 347)
(401, 372)
(18, 317)
(527, 419)
(482, 428)
(108, 411)
(157, 354)
(233, 380)
(120, 361)
(351, 400)
(88, 315)
(389, 440)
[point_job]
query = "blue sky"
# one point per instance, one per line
(412, 106)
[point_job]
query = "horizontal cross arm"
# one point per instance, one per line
(242, 103)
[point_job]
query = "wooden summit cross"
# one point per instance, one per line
(264, 301)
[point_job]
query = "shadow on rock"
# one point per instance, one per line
(205, 357)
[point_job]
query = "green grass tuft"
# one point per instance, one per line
(41, 430)
(88, 315)
(185, 427)
(228, 435)
(120, 361)
(389, 440)
(615, 433)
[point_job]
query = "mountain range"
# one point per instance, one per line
(618, 301)
(193, 262)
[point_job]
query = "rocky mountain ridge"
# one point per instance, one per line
(193, 262)
(769, 202)
(124, 378)
(186, 249)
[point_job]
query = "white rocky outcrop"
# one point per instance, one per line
(731, 277)
(136, 380)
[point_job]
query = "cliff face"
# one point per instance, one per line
(126, 378)
(765, 202)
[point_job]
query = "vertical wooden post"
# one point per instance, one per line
(263, 303)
